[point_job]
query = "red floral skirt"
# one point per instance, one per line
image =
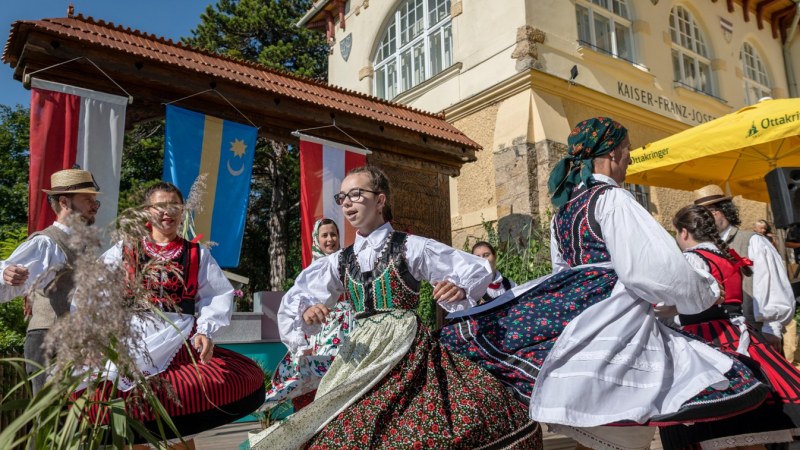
(433, 399)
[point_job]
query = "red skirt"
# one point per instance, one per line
(780, 410)
(196, 396)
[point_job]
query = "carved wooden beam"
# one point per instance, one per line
(730, 6)
(340, 4)
(760, 12)
(746, 10)
(776, 19)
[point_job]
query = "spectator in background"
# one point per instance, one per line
(499, 284)
(764, 228)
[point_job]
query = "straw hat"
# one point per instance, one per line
(708, 195)
(72, 181)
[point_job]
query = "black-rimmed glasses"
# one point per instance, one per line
(354, 195)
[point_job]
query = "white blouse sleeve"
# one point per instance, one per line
(214, 296)
(433, 261)
(318, 283)
(647, 259)
(697, 262)
(773, 300)
(556, 258)
(37, 255)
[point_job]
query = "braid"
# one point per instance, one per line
(699, 222)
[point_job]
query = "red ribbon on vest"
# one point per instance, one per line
(494, 285)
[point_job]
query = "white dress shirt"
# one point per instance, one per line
(37, 254)
(427, 260)
(773, 300)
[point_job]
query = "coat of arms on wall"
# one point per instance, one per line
(345, 45)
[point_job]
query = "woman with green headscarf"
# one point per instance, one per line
(582, 345)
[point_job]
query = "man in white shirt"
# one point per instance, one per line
(44, 261)
(769, 303)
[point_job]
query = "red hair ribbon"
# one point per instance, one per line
(740, 262)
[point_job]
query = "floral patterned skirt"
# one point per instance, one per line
(394, 386)
(299, 374)
(512, 342)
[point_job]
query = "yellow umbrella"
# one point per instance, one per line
(734, 151)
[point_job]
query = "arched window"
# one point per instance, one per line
(605, 25)
(417, 44)
(691, 62)
(756, 82)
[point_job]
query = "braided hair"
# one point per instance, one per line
(699, 222)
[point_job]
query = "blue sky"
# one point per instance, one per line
(169, 18)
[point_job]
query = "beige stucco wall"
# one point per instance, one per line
(474, 189)
(641, 96)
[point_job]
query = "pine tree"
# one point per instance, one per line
(266, 32)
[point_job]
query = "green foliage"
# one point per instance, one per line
(12, 317)
(57, 420)
(263, 31)
(519, 259)
(142, 162)
(14, 137)
(427, 306)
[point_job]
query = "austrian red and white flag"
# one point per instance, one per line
(69, 126)
(323, 166)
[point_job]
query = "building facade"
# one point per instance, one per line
(516, 75)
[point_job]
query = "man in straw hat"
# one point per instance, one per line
(768, 303)
(72, 193)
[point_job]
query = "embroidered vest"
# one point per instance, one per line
(389, 285)
(725, 272)
(52, 301)
(577, 232)
(168, 290)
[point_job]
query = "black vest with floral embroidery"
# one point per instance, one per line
(389, 285)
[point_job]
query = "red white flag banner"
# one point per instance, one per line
(69, 126)
(323, 166)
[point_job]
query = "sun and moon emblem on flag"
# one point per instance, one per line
(239, 148)
(198, 144)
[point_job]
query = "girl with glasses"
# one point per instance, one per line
(392, 384)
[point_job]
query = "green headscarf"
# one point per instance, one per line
(589, 139)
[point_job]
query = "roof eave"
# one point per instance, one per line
(312, 13)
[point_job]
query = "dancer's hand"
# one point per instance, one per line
(446, 291)
(15, 275)
(316, 314)
(205, 346)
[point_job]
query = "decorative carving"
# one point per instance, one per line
(456, 8)
(364, 72)
(526, 52)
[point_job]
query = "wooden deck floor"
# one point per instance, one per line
(234, 437)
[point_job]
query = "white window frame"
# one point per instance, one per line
(393, 31)
(601, 8)
(698, 52)
(754, 74)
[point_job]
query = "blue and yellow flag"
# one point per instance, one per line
(198, 144)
